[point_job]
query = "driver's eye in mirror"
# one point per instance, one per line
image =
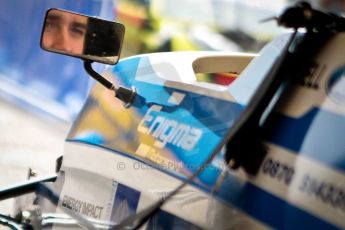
(82, 36)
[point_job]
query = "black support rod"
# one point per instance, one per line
(97, 76)
(24, 188)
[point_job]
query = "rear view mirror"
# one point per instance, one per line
(82, 36)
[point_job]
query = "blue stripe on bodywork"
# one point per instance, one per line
(318, 134)
(276, 212)
(266, 207)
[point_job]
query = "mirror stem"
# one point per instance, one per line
(124, 94)
(107, 84)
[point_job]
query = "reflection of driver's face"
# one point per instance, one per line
(64, 32)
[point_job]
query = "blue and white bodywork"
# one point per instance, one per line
(120, 160)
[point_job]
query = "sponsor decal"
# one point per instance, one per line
(169, 131)
(305, 183)
(278, 170)
(82, 207)
(125, 202)
(329, 193)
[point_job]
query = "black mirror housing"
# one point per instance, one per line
(81, 36)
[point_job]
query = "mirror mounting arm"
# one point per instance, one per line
(124, 94)
(107, 84)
